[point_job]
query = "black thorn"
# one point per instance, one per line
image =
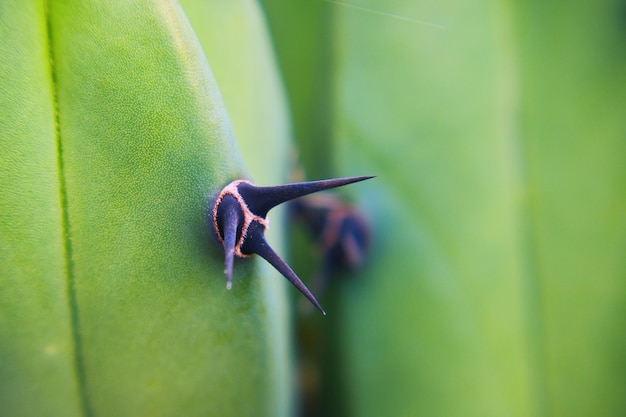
(229, 218)
(255, 243)
(261, 199)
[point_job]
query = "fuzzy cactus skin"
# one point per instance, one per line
(113, 137)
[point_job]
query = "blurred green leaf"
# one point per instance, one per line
(574, 101)
(114, 137)
(496, 285)
(441, 314)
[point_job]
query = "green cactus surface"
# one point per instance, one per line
(113, 138)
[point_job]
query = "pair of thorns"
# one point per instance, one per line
(239, 220)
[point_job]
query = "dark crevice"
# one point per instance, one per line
(65, 229)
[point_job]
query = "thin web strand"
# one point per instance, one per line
(380, 12)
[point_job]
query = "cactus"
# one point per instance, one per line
(495, 279)
(113, 138)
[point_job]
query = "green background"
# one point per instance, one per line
(497, 280)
